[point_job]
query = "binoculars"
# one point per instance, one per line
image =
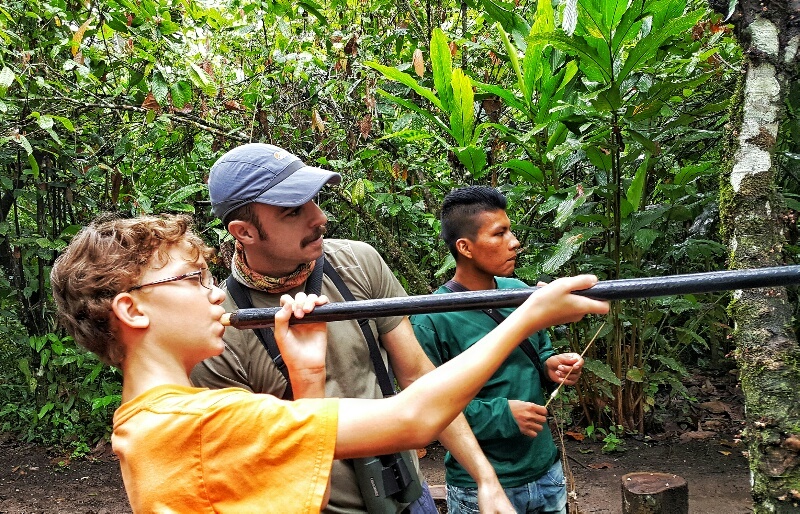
(387, 477)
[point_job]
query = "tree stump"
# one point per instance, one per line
(654, 493)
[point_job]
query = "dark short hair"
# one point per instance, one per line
(461, 208)
(106, 258)
(247, 213)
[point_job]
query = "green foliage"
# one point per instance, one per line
(600, 124)
(57, 393)
(612, 437)
(453, 96)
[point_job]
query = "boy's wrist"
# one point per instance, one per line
(308, 382)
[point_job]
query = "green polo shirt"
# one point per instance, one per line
(517, 458)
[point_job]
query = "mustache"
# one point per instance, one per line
(318, 232)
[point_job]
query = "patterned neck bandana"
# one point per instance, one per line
(255, 280)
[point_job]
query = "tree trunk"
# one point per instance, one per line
(767, 351)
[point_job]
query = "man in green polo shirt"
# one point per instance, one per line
(507, 416)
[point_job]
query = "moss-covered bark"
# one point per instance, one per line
(767, 349)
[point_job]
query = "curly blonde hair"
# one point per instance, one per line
(106, 258)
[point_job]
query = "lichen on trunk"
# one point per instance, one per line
(767, 349)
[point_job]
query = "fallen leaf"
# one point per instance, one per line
(713, 424)
(708, 387)
(421, 453)
(716, 407)
(792, 442)
(723, 452)
(699, 435)
(578, 436)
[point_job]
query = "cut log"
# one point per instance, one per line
(654, 493)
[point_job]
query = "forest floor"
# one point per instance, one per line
(703, 447)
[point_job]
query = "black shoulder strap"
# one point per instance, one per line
(314, 282)
(381, 372)
(526, 345)
(241, 295)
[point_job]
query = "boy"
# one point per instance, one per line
(139, 294)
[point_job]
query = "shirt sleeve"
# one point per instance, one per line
(428, 338)
(367, 275)
(544, 348)
(491, 419)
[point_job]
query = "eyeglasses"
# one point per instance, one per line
(207, 280)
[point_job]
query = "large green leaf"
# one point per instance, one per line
(636, 189)
(407, 80)
(507, 96)
(511, 50)
(182, 194)
(159, 88)
(314, 8)
(181, 94)
(414, 107)
(567, 246)
(614, 11)
(602, 370)
(671, 363)
(472, 157)
(627, 30)
(645, 237)
(526, 169)
(462, 113)
(593, 19)
(201, 80)
(663, 12)
(647, 47)
(535, 53)
(635, 374)
(442, 64)
(591, 63)
(509, 18)
(566, 208)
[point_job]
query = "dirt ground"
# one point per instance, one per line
(707, 453)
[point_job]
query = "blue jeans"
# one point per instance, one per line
(548, 495)
(424, 504)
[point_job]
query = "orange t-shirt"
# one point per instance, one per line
(184, 449)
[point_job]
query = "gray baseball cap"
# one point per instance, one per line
(263, 173)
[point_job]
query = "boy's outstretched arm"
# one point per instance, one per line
(419, 413)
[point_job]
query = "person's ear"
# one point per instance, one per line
(125, 309)
(464, 247)
(244, 232)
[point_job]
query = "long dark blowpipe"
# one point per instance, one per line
(622, 289)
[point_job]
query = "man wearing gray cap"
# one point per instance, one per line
(263, 195)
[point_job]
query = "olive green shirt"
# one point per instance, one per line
(350, 374)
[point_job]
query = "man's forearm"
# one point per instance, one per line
(460, 440)
(461, 443)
